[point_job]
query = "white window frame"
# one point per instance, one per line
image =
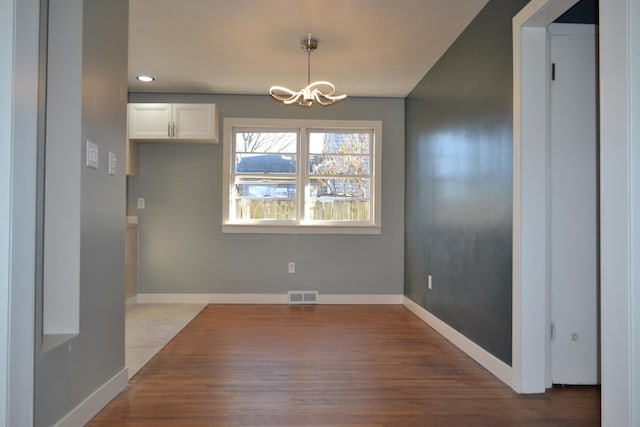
(299, 226)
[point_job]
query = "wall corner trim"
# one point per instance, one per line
(487, 360)
(89, 407)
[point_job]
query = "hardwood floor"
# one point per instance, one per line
(328, 365)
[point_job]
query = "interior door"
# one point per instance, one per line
(574, 208)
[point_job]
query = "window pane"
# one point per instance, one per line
(335, 154)
(340, 188)
(331, 165)
(338, 209)
(265, 188)
(265, 199)
(265, 163)
(267, 209)
(321, 142)
(266, 142)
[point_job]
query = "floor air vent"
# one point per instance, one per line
(302, 297)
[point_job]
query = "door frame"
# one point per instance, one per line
(531, 373)
(19, 112)
(531, 136)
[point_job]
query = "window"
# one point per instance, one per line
(301, 176)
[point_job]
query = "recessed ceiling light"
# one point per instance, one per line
(145, 78)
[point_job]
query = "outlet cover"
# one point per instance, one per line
(112, 163)
(92, 155)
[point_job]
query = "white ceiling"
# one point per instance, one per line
(376, 48)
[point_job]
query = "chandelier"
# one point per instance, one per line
(321, 92)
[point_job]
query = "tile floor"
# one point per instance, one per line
(149, 327)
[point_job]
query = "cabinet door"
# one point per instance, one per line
(150, 121)
(195, 122)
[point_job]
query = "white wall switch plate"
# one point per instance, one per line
(92, 155)
(112, 163)
(140, 202)
(291, 267)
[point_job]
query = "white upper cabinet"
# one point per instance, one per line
(152, 122)
(195, 121)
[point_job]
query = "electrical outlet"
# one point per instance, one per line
(291, 267)
(429, 282)
(140, 202)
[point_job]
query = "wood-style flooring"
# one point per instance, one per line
(328, 365)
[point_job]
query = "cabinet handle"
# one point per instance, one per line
(168, 129)
(174, 130)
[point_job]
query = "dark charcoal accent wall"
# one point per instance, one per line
(583, 12)
(458, 184)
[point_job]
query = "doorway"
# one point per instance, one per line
(531, 281)
(573, 227)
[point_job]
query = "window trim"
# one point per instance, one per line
(300, 226)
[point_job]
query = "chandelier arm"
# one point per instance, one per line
(332, 98)
(318, 96)
(290, 97)
(275, 89)
(292, 100)
(319, 85)
(324, 99)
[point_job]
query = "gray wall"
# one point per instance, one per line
(68, 374)
(458, 210)
(182, 248)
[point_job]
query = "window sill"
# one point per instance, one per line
(299, 229)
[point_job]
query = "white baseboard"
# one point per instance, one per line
(262, 299)
(86, 410)
(360, 299)
(212, 298)
(491, 363)
(131, 301)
